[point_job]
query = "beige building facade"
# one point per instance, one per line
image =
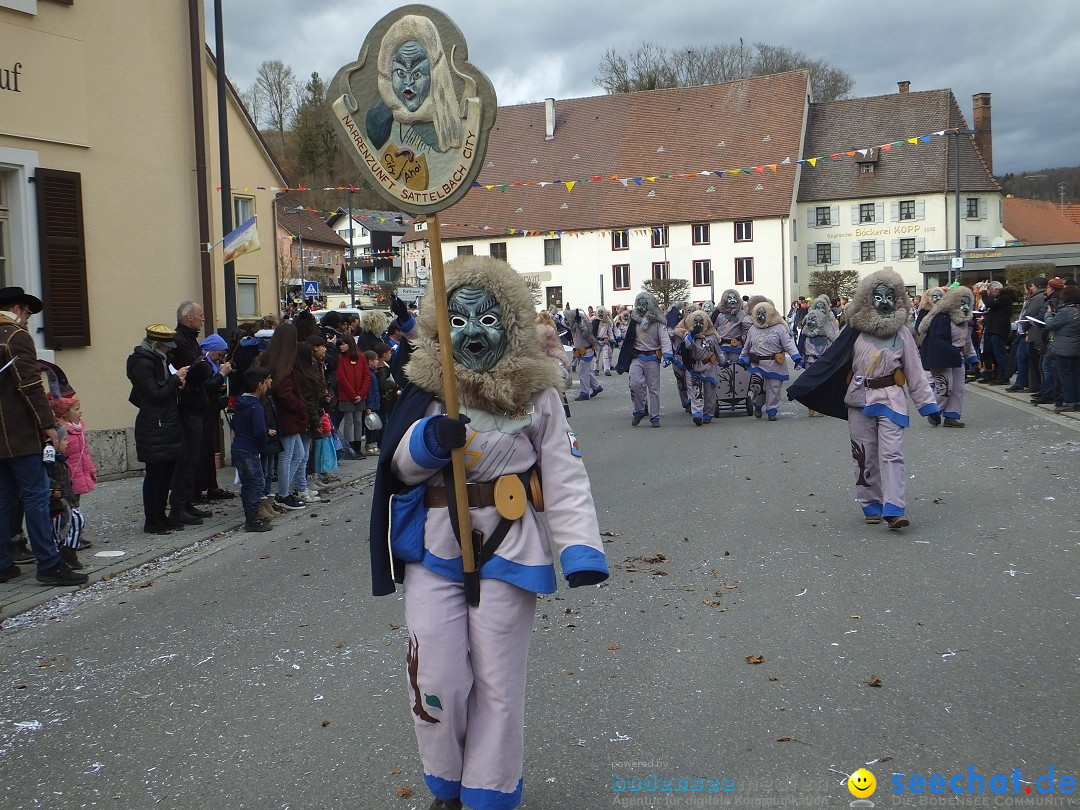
(108, 189)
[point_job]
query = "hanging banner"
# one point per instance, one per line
(415, 113)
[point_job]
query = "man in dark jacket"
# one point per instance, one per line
(27, 426)
(193, 407)
(997, 325)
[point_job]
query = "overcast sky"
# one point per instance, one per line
(1025, 53)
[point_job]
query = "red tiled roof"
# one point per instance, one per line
(1039, 222)
(1072, 211)
(747, 123)
(315, 229)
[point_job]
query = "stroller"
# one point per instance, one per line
(733, 390)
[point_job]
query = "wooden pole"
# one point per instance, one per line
(457, 456)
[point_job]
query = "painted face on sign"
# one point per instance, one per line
(966, 303)
(731, 301)
(477, 334)
(936, 294)
(410, 74)
(884, 299)
(761, 315)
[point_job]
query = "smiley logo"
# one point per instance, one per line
(862, 784)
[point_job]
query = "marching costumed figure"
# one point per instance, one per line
(945, 337)
(861, 378)
(646, 345)
(819, 330)
(604, 330)
(547, 336)
(586, 350)
(732, 323)
(674, 318)
(466, 665)
(932, 296)
(763, 353)
(700, 351)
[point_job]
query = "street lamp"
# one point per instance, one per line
(352, 287)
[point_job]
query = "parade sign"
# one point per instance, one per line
(413, 110)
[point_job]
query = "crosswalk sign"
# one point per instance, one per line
(311, 289)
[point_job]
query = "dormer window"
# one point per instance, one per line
(867, 162)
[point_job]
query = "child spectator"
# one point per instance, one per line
(81, 468)
(373, 402)
(66, 522)
(354, 382)
(249, 440)
(388, 387)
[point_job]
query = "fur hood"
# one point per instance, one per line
(757, 299)
(653, 314)
(688, 323)
(522, 371)
(373, 321)
(772, 317)
(949, 303)
(603, 315)
(925, 302)
(831, 328)
(724, 308)
(581, 327)
(861, 315)
(817, 324)
(551, 346)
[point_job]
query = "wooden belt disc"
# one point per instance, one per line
(510, 499)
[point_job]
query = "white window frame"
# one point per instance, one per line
(620, 276)
(241, 283)
(700, 233)
(660, 236)
(552, 251)
(620, 240)
(744, 270)
(660, 271)
(242, 204)
(744, 230)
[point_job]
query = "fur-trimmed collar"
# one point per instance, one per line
(861, 315)
(950, 304)
(521, 372)
(724, 308)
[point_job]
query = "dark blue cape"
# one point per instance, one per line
(823, 385)
(937, 348)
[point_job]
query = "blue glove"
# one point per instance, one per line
(800, 363)
(743, 361)
(397, 306)
(689, 340)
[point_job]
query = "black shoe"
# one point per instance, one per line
(60, 574)
(897, 523)
(10, 572)
(258, 525)
(185, 517)
(446, 804)
(1041, 400)
(172, 523)
(290, 502)
(196, 512)
(219, 494)
(22, 553)
(156, 528)
(1012, 389)
(934, 419)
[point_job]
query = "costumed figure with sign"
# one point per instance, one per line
(604, 330)
(861, 377)
(586, 350)
(763, 353)
(467, 665)
(645, 347)
(945, 335)
(700, 352)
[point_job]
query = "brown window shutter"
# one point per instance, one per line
(63, 258)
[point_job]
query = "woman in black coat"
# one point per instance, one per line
(158, 436)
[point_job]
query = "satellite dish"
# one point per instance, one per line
(997, 241)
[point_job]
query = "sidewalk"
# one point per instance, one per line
(114, 520)
(1023, 400)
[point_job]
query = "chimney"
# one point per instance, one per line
(903, 86)
(980, 116)
(549, 119)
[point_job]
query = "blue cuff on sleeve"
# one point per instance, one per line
(407, 325)
(928, 408)
(796, 358)
(582, 558)
(427, 455)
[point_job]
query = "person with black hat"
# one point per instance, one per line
(159, 437)
(194, 404)
(27, 429)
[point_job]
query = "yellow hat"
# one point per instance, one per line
(160, 333)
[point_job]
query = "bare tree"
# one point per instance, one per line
(668, 291)
(834, 283)
(653, 67)
(249, 97)
(276, 86)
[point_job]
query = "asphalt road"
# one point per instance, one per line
(261, 674)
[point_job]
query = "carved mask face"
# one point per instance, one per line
(761, 315)
(697, 325)
(707, 306)
(965, 305)
(821, 306)
(936, 295)
(641, 305)
(812, 323)
(731, 302)
(410, 74)
(884, 300)
(477, 335)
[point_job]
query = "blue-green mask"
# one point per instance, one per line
(477, 334)
(884, 299)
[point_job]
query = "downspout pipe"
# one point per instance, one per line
(198, 103)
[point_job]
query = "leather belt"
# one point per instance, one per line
(757, 358)
(482, 493)
(896, 378)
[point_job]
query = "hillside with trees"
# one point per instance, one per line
(1055, 185)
